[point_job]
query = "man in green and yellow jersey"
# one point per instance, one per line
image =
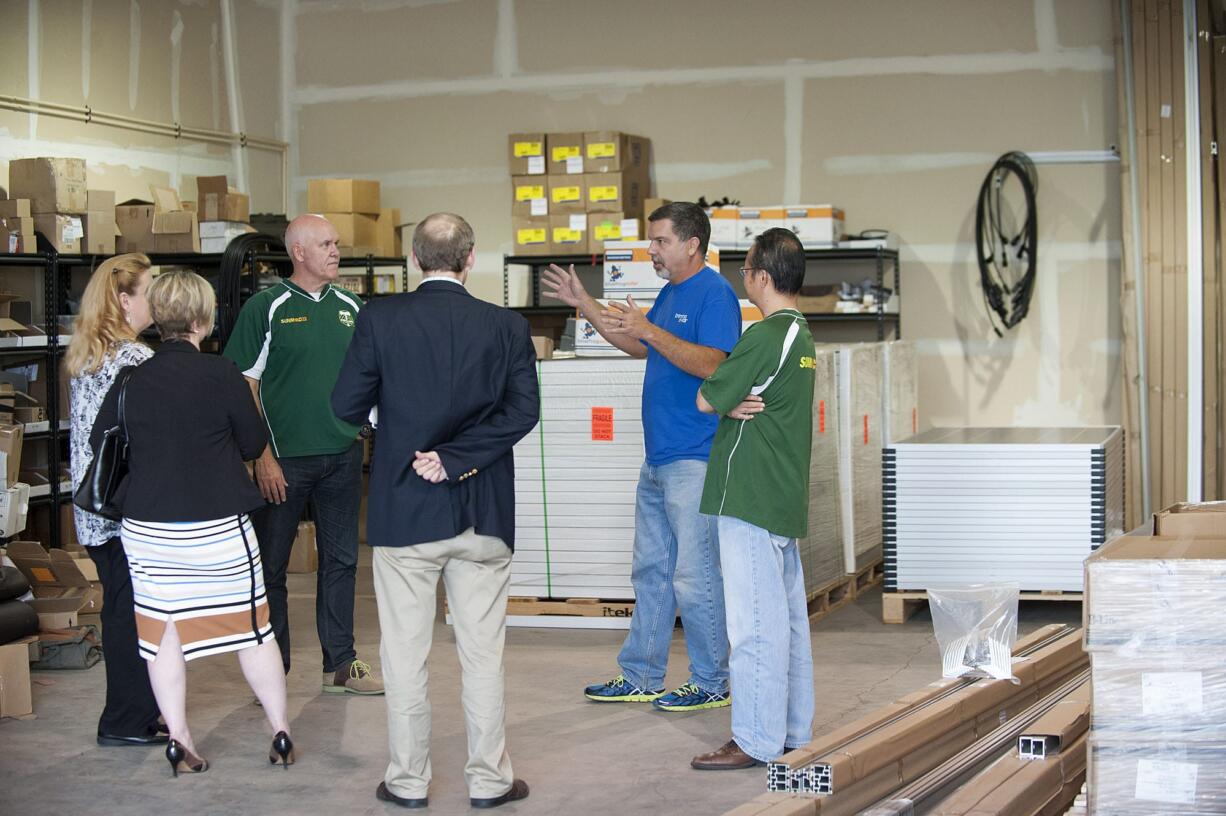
(289, 342)
(757, 487)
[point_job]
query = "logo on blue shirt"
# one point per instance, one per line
(681, 318)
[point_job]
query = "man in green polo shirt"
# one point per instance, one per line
(289, 342)
(757, 486)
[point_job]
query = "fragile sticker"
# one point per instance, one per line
(524, 149)
(529, 192)
(604, 193)
(602, 424)
(602, 150)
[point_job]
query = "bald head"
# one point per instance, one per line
(311, 242)
(443, 242)
(304, 228)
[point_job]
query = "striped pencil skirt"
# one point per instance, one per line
(206, 576)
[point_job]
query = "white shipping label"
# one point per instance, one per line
(1171, 694)
(578, 222)
(1160, 780)
(536, 165)
(630, 229)
(574, 164)
(539, 206)
(73, 229)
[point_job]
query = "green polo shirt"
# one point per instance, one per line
(759, 468)
(294, 343)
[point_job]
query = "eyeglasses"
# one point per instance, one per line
(745, 270)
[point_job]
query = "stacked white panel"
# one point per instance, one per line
(821, 551)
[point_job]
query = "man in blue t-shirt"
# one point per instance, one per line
(694, 323)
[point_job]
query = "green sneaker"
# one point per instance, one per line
(620, 690)
(356, 678)
(690, 697)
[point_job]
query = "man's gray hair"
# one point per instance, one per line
(442, 242)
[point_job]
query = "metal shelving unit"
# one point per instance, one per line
(883, 261)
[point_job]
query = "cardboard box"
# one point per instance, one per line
(526, 154)
(355, 229)
(529, 196)
(11, 439)
(15, 208)
(530, 236)
(567, 194)
(134, 219)
(215, 236)
(304, 557)
(56, 613)
(724, 226)
(101, 232)
(543, 347)
(14, 508)
(64, 232)
(15, 319)
(604, 227)
(568, 234)
(99, 200)
(387, 236)
(15, 697)
(564, 156)
(53, 185)
(17, 235)
(819, 225)
(650, 205)
(176, 232)
(610, 151)
(55, 574)
(628, 269)
(615, 192)
(753, 221)
(1206, 520)
(343, 196)
(217, 201)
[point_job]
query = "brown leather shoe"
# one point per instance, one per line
(729, 757)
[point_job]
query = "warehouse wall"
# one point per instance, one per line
(124, 58)
(892, 110)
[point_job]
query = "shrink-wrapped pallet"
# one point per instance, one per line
(821, 551)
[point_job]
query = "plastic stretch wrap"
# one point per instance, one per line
(1130, 778)
(975, 627)
(1158, 696)
(900, 394)
(860, 435)
(821, 551)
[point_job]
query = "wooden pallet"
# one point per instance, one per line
(842, 591)
(897, 607)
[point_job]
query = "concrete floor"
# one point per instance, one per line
(578, 757)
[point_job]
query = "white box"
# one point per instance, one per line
(215, 236)
(14, 505)
(724, 226)
(753, 221)
(628, 269)
(816, 225)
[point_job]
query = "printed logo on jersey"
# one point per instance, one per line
(302, 319)
(681, 318)
(346, 317)
(808, 362)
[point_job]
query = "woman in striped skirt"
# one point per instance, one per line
(197, 580)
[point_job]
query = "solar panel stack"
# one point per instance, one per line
(974, 505)
(821, 551)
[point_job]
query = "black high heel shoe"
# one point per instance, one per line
(282, 750)
(181, 759)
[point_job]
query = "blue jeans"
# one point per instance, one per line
(332, 483)
(768, 627)
(676, 567)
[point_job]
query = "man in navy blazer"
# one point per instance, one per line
(454, 381)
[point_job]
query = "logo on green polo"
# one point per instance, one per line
(346, 317)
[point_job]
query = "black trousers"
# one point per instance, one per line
(131, 709)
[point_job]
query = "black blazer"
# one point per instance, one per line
(191, 423)
(451, 374)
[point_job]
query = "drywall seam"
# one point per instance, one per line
(1073, 59)
(33, 59)
(176, 58)
(215, 78)
(232, 93)
(315, 6)
(182, 158)
(793, 135)
(133, 53)
(289, 81)
(892, 163)
(1046, 29)
(87, 25)
(506, 43)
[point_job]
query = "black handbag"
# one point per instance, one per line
(106, 472)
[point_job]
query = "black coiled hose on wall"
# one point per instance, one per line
(1008, 260)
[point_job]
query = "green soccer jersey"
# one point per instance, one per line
(294, 343)
(759, 468)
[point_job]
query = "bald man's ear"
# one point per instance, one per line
(416, 263)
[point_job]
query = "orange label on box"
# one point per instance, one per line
(601, 150)
(607, 193)
(821, 416)
(523, 149)
(42, 575)
(561, 195)
(529, 192)
(530, 236)
(602, 424)
(866, 429)
(914, 420)
(561, 154)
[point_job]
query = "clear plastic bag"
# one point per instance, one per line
(976, 627)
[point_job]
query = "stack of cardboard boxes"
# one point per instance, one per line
(353, 207)
(16, 227)
(55, 188)
(223, 211)
(572, 192)
(817, 226)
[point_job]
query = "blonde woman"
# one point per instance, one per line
(114, 310)
(194, 559)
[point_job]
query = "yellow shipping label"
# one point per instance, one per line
(534, 235)
(608, 232)
(528, 193)
(601, 150)
(608, 193)
(523, 149)
(561, 195)
(566, 235)
(563, 153)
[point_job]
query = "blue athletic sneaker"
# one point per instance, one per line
(620, 690)
(690, 697)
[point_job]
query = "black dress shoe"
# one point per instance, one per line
(115, 740)
(385, 795)
(519, 790)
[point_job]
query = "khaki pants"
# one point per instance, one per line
(476, 570)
